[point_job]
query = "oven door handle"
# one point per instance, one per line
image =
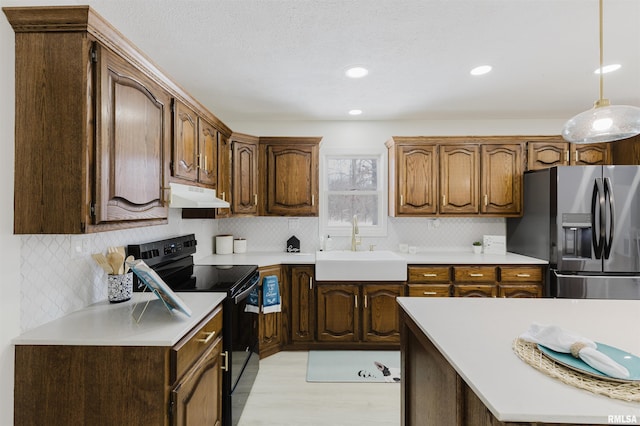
(246, 292)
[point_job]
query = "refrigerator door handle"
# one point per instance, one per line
(608, 196)
(597, 230)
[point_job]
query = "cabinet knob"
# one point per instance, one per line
(255, 199)
(225, 366)
(310, 283)
(523, 275)
(444, 200)
(476, 275)
(313, 199)
(209, 334)
(486, 200)
(429, 293)
(356, 301)
(401, 200)
(429, 275)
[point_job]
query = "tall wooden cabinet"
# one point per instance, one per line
(290, 172)
(244, 160)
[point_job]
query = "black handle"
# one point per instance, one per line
(608, 195)
(597, 232)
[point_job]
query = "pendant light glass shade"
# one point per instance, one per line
(605, 122)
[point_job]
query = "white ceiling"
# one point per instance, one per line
(285, 59)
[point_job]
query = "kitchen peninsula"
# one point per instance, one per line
(459, 367)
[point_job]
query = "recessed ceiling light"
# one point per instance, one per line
(483, 69)
(608, 68)
(357, 72)
(355, 112)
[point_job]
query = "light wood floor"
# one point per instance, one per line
(281, 396)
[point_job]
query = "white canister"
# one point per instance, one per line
(224, 244)
(240, 245)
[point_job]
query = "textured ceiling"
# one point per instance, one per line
(285, 59)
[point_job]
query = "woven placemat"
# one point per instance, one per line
(529, 353)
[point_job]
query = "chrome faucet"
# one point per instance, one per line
(355, 239)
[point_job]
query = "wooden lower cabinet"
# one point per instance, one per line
(475, 280)
(270, 325)
(123, 385)
(354, 312)
(303, 304)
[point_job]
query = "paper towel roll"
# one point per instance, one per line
(240, 245)
(224, 244)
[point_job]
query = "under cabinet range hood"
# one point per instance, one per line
(186, 196)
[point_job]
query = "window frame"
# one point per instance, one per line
(379, 230)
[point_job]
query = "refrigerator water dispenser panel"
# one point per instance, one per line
(576, 228)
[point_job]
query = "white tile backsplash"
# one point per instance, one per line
(56, 280)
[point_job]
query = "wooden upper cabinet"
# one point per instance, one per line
(245, 174)
(290, 175)
(556, 152)
(195, 146)
(417, 181)
(133, 132)
(459, 177)
(501, 187)
(224, 175)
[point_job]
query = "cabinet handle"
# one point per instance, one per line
(209, 335)
(429, 275)
(255, 199)
(168, 190)
(523, 275)
(577, 156)
(356, 303)
(476, 275)
(198, 162)
(444, 200)
(310, 283)
(225, 366)
(486, 200)
(566, 156)
(429, 293)
(222, 195)
(401, 200)
(365, 301)
(313, 199)
(205, 164)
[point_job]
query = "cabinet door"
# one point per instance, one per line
(270, 325)
(185, 142)
(337, 317)
(224, 174)
(133, 122)
(291, 179)
(501, 179)
(197, 397)
(459, 173)
(475, 290)
(303, 304)
(245, 178)
(380, 316)
(542, 155)
(208, 146)
(417, 180)
(590, 154)
(520, 290)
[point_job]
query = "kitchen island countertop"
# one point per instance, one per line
(475, 337)
(112, 324)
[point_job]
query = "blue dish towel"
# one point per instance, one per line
(252, 301)
(271, 295)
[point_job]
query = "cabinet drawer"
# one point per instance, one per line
(475, 274)
(475, 290)
(520, 274)
(193, 345)
(429, 290)
(429, 274)
(520, 290)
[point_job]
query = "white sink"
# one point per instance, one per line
(344, 265)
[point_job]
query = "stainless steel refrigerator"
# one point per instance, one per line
(585, 220)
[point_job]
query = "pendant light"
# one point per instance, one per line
(604, 122)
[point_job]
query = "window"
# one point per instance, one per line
(353, 186)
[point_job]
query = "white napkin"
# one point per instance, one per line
(560, 340)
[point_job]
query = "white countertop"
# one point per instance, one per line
(109, 324)
(476, 335)
(433, 257)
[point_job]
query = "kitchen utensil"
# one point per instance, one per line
(102, 261)
(128, 260)
(116, 260)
